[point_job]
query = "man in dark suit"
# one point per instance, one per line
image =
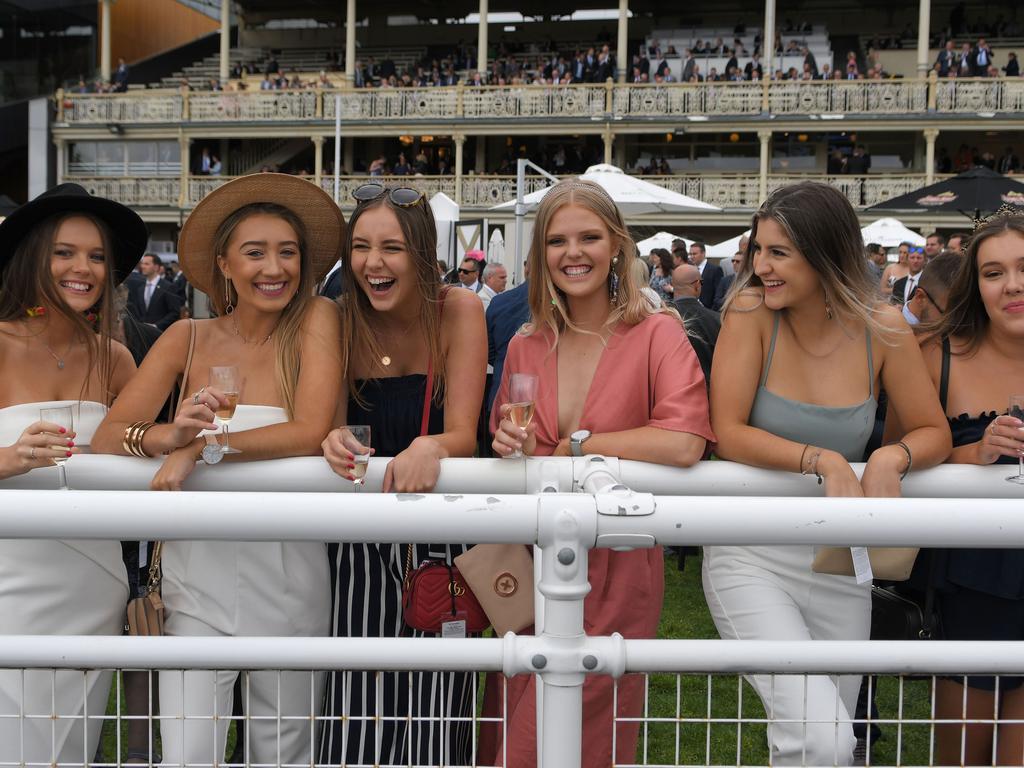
(505, 315)
(726, 283)
(710, 274)
(702, 324)
(332, 284)
(946, 58)
(153, 299)
(904, 288)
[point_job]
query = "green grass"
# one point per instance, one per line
(685, 616)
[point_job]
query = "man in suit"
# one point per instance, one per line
(930, 299)
(710, 274)
(810, 61)
(904, 288)
(120, 78)
(702, 324)
(153, 300)
(946, 58)
(982, 58)
(505, 315)
(723, 287)
(689, 63)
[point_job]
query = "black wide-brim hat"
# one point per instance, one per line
(128, 232)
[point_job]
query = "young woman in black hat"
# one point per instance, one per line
(61, 257)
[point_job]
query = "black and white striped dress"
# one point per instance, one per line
(367, 712)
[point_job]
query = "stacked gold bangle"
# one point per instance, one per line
(133, 435)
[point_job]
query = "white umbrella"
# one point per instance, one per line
(496, 248)
(632, 194)
(660, 240)
(889, 233)
(727, 248)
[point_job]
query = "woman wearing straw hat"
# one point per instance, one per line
(61, 256)
(256, 246)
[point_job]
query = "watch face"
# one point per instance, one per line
(580, 435)
(212, 454)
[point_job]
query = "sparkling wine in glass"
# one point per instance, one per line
(361, 452)
(522, 395)
(226, 379)
(1016, 410)
(62, 416)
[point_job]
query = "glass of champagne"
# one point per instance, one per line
(1016, 410)
(522, 393)
(62, 416)
(361, 453)
(226, 379)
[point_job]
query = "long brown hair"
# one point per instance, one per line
(28, 283)
(287, 348)
(547, 304)
(966, 317)
(420, 234)
(823, 226)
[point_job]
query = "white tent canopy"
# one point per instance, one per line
(496, 247)
(633, 195)
(726, 248)
(446, 213)
(660, 240)
(889, 233)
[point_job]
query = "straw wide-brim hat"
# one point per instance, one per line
(322, 219)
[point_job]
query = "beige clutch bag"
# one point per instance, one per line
(887, 563)
(501, 577)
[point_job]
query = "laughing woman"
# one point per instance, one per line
(61, 256)
(255, 246)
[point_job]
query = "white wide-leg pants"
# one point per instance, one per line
(770, 593)
(57, 588)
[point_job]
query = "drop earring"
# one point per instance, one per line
(228, 306)
(613, 283)
(828, 309)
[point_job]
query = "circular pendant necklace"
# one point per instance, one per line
(58, 358)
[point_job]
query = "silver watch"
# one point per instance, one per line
(576, 440)
(213, 452)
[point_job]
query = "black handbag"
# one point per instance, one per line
(898, 613)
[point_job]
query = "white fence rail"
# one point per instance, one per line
(575, 505)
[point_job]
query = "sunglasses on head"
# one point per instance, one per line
(403, 197)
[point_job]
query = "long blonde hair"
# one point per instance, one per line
(287, 360)
(547, 304)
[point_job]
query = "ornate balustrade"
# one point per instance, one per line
(786, 98)
(482, 192)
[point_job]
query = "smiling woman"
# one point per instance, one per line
(255, 246)
(61, 256)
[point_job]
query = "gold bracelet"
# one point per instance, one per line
(133, 436)
(812, 466)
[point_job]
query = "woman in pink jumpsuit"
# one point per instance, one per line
(616, 376)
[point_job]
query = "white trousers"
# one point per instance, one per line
(57, 588)
(770, 593)
(216, 589)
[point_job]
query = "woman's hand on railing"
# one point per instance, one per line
(195, 414)
(509, 437)
(838, 475)
(175, 470)
(37, 446)
(414, 470)
(882, 474)
(340, 448)
(1003, 437)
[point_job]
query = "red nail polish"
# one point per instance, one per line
(62, 430)
(69, 454)
(71, 443)
(351, 466)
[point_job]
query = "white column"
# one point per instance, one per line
(460, 140)
(350, 43)
(105, 40)
(225, 41)
(481, 43)
(762, 180)
(622, 55)
(930, 135)
(609, 142)
(318, 159)
(60, 155)
(923, 25)
(768, 39)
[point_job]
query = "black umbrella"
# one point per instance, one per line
(971, 193)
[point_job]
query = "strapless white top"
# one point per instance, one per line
(86, 414)
(50, 553)
(253, 417)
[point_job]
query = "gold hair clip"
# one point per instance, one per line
(1006, 210)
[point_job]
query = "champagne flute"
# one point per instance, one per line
(226, 379)
(64, 417)
(522, 394)
(361, 434)
(1016, 410)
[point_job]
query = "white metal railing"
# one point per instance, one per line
(581, 504)
(573, 102)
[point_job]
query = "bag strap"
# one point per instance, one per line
(188, 360)
(153, 583)
(428, 393)
(944, 375)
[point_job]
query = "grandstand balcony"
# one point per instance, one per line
(891, 101)
(154, 196)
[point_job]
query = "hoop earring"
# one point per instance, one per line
(228, 306)
(613, 283)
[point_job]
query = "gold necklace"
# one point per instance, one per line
(59, 358)
(385, 359)
(234, 326)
